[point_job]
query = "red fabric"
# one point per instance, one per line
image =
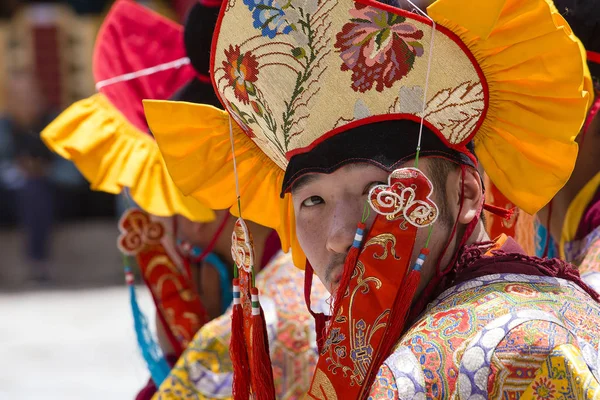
(590, 117)
(590, 219)
(179, 307)
(272, 247)
(238, 352)
(496, 224)
(131, 39)
(320, 318)
(147, 391)
(511, 259)
(593, 57)
(182, 7)
(361, 318)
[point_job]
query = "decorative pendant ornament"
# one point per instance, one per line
(249, 349)
(407, 195)
(242, 250)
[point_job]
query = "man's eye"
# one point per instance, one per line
(312, 201)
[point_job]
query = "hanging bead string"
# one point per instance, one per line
(426, 88)
(425, 250)
(235, 173)
(237, 193)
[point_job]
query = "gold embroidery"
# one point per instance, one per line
(360, 351)
(383, 240)
(322, 389)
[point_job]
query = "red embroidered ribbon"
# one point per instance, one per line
(359, 334)
(178, 305)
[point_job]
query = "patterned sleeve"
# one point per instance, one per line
(204, 370)
(543, 360)
(384, 386)
(565, 375)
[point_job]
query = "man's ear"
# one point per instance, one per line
(472, 196)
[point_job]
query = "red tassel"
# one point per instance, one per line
(320, 318)
(263, 385)
(499, 211)
(237, 349)
(320, 325)
(349, 265)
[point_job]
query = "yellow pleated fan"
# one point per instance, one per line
(113, 155)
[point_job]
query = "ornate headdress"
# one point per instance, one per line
(140, 54)
(505, 78)
(316, 84)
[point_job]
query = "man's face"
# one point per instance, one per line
(328, 208)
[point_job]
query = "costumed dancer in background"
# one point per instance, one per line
(140, 54)
(356, 129)
(573, 215)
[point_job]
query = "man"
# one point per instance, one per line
(106, 136)
(367, 119)
(27, 115)
(573, 216)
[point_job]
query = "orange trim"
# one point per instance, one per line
(498, 243)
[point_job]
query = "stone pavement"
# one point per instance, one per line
(70, 345)
(71, 338)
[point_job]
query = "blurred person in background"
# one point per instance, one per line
(27, 169)
(573, 215)
(107, 137)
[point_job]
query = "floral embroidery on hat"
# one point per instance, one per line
(242, 72)
(379, 47)
(269, 17)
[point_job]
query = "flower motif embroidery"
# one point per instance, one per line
(544, 389)
(379, 47)
(269, 17)
(241, 71)
(335, 337)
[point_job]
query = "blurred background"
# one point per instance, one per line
(65, 327)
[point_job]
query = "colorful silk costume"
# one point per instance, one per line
(107, 138)
(140, 54)
(499, 336)
(205, 371)
(310, 86)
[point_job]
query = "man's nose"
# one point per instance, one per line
(343, 228)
